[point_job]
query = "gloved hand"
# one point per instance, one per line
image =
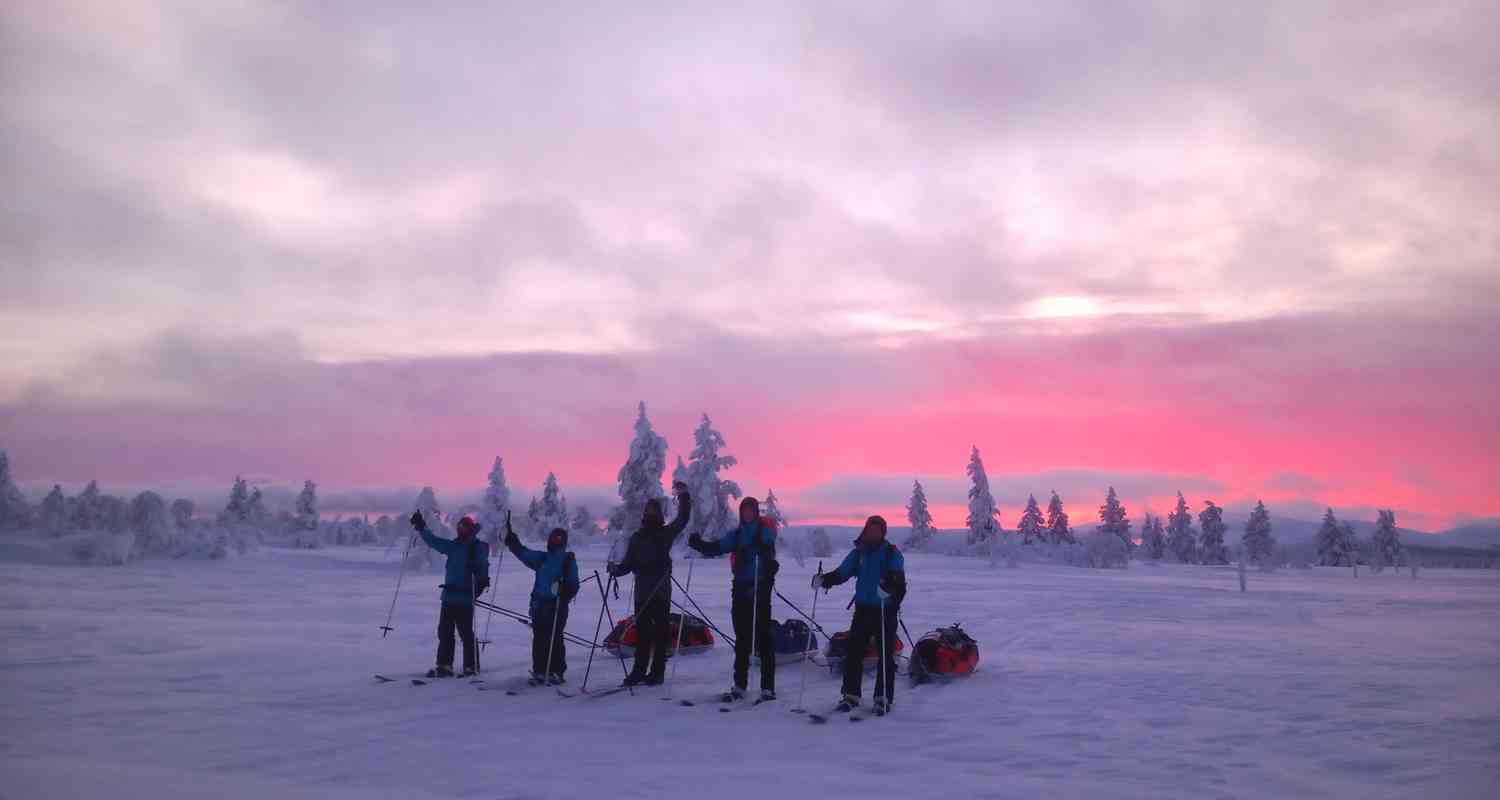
(696, 541)
(679, 488)
(817, 581)
(824, 580)
(417, 521)
(775, 567)
(613, 570)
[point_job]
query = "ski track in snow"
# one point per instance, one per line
(253, 678)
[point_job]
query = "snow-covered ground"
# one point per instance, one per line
(251, 678)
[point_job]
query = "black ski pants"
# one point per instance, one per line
(742, 610)
(545, 637)
(864, 627)
(460, 617)
(653, 629)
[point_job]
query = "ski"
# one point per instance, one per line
(384, 679)
(608, 692)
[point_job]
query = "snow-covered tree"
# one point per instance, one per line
(1182, 540)
(238, 508)
(1258, 541)
(551, 510)
(639, 476)
(1335, 547)
(15, 511)
(679, 475)
(1032, 525)
(55, 511)
(1211, 527)
(1113, 520)
(307, 507)
(582, 526)
(771, 509)
(819, 543)
(155, 529)
(1387, 542)
(1153, 537)
(432, 514)
(984, 516)
(1057, 522)
(920, 518)
(87, 512)
(256, 512)
(1350, 543)
(182, 512)
(495, 504)
(711, 495)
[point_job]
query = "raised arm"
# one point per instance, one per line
(529, 557)
(684, 512)
(444, 546)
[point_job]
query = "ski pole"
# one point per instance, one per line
(597, 625)
(677, 647)
(806, 646)
(755, 645)
(552, 632)
(604, 595)
(386, 628)
(499, 558)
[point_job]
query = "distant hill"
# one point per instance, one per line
(1477, 534)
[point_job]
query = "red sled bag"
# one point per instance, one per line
(944, 654)
(696, 637)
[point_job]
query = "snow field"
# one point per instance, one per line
(252, 677)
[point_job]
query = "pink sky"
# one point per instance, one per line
(1245, 255)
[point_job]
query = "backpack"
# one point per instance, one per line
(944, 653)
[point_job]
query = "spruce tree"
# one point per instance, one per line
(1113, 519)
(307, 507)
(553, 510)
(1258, 541)
(771, 509)
(1330, 541)
(919, 517)
(1031, 526)
(711, 494)
(55, 511)
(640, 476)
(983, 520)
(1153, 537)
(237, 510)
(1057, 522)
(582, 526)
(1181, 539)
(495, 504)
(88, 508)
(15, 511)
(1386, 540)
(1211, 549)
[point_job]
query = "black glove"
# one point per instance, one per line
(480, 586)
(679, 488)
(773, 569)
(417, 521)
(824, 580)
(696, 541)
(614, 570)
(894, 586)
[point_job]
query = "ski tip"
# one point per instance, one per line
(723, 711)
(816, 719)
(798, 710)
(384, 679)
(511, 693)
(687, 703)
(415, 682)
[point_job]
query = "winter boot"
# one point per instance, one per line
(766, 695)
(734, 695)
(470, 672)
(881, 706)
(535, 679)
(556, 679)
(847, 703)
(634, 679)
(440, 671)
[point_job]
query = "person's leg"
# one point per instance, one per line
(464, 617)
(888, 674)
(662, 636)
(643, 628)
(764, 646)
(541, 623)
(446, 622)
(559, 647)
(854, 659)
(740, 611)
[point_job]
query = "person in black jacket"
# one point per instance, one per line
(649, 556)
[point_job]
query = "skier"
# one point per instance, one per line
(879, 571)
(649, 556)
(753, 545)
(465, 577)
(555, 587)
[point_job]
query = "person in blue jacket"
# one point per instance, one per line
(466, 576)
(879, 573)
(753, 548)
(555, 587)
